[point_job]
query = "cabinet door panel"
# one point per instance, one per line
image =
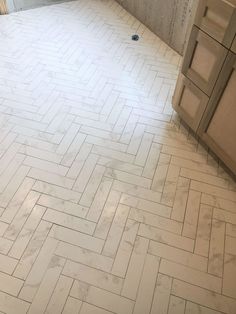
(218, 19)
(189, 101)
(203, 60)
(233, 48)
(218, 127)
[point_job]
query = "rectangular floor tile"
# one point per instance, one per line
(204, 297)
(190, 275)
(93, 276)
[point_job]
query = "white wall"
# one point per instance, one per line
(169, 19)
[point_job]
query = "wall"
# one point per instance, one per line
(18, 5)
(169, 19)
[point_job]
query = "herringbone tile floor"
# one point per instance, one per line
(107, 204)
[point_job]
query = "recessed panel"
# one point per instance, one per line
(190, 102)
(222, 128)
(203, 62)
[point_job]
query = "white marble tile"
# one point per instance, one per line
(229, 285)
(190, 275)
(3, 227)
(115, 233)
(128, 178)
(231, 230)
(51, 178)
(204, 297)
(124, 251)
(137, 191)
(216, 251)
(93, 276)
(27, 232)
(7, 264)
(20, 218)
(57, 191)
(72, 306)
(103, 299)
(193, 156)
(133, 275)
(77, 238)
(59, 296)
(45, 165)
(161, 294)
(192, 308)
(136, 139)
(38, 270)
(147, 285)
(17, 200)
(31, 252)
(120, 165)
(169, 190)
(180, 200)
(14, 185)
(213, 190)
(161, 173)
(10, 284)
(203, 231)
(10, 171)
(47, 286)
(155, 220)
(145, 205)
(90, 309)
(151, 161)
(92, 186)
(69, 221)
(203, 177)
(110, 153)
(62, 206)
(129, 129)
(215, 201)
(176, 306)
(191, 215)
(99, 200)
(84, 256)
(79, 160)
(144, 149)
(106, 143)
(107, 215)
(9, 304)
(224, 215)
(179, 256)
(85, 173)
(41, 154)
(166, 237)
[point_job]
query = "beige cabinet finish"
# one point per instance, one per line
(233, 48)
(203, 60)
(205, 94)
(189, 101)
(218, 127)
(218, 19)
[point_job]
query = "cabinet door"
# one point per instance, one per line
(203, 60)
(218, 127)
(218, 19)
(233, 48)
(189, 101)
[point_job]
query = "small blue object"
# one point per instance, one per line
(135, 37)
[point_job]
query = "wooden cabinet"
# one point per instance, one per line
(218, 126)
(218, 19)
(189, 101)
(205, 94)
(203, 60)
(233, 48)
